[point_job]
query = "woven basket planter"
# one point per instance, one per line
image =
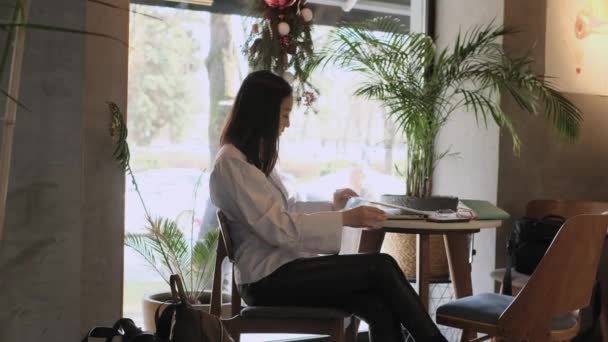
(402, 247)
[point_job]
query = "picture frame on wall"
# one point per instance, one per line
(576, 45)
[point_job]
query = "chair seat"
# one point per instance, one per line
(517, 279)
(290, 312)
(487, 308)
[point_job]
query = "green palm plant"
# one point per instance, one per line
(164, 245)
(421, 85)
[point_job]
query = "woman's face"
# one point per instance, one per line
(286, 106)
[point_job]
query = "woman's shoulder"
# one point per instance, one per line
(229, 151)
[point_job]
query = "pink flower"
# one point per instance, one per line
(581, 27)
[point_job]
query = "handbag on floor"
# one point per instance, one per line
(531, 239)
(125, 328)
(189, 324)
(528, 243)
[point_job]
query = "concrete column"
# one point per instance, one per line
(61, 259)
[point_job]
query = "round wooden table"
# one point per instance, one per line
(455, 235)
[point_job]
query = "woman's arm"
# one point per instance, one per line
(244, 194)
(309, 207)
(341, 196)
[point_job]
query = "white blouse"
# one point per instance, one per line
(268, 227)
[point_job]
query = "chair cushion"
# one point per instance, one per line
(488, 307)
(287, 312)
(517, 279)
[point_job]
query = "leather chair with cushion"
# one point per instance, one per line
(539, 209)
(543, 310)
(341, 326)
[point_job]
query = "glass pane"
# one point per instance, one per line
(182, 84)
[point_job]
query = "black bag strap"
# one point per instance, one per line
(164, 321)
(131, 332)
(101, 332)
(124, 327)
(556, 218)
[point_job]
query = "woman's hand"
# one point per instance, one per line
(341, 196)
(363, 217)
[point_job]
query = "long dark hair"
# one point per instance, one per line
(253, 124)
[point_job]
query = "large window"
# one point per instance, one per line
(185, 66)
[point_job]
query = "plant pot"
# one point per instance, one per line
(422, 203)
(402, 247)
(151, 302)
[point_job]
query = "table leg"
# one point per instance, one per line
(371, 241)
(603, 279)
(457, 250)
(423, 267)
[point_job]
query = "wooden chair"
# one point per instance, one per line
(542, 311)
(339, 325)
(539, 209)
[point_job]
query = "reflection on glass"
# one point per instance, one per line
(592, 19)
(183, 75)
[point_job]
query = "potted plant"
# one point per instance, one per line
(165, 245)
(422, 86)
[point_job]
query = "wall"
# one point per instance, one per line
(61, 257)
(473, 173)
(546, 167)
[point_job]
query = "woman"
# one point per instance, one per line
(277, 240)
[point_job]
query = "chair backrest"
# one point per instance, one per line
(224, 249)
(564, 208)
(225, 235)
(562, 282)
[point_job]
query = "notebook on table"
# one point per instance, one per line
(397, 212)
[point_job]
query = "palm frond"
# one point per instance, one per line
(205, 249)
(167, 257)
(203, 259)
(119, 131)
(172, 236)
(8, 24)
(422, 86)
(111, 5)
(165, 246)
(12, 98)
(565, 116)
(9, 38)
(482, 105)
(145, 245)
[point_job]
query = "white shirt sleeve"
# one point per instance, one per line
(307, 207)
(244, 194)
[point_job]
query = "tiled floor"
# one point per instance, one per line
(442, 293)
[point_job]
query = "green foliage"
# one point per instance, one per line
(164, 89)
(266, 49)
(168, 251)
(422, 86)
(164, 245)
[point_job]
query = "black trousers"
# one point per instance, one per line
(371, 286)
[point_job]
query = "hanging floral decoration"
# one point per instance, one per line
(280, 41)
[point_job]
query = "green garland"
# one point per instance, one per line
(285, 55)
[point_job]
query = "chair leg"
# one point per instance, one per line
(337, 332)
(352, 330)
(467, 335)
(232, 328)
